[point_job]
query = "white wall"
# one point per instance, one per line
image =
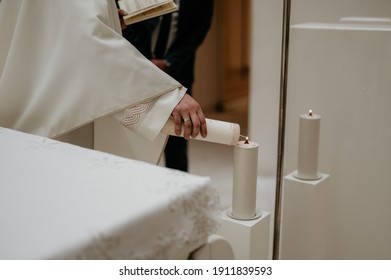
(345, 76)
(264, 96)
(265, 81)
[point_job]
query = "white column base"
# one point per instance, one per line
(249, 238)
(303, 218)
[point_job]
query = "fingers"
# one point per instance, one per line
(161, 63)
(177, 121)
(203, 127)
(122, 13)
(188, 127)
(188, 116)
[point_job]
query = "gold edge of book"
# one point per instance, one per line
(154, 12)
(123, 4)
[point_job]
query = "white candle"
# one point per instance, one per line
(218, 131)
(245, 180)
(307, 167)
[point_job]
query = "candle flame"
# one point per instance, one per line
(310, 113)
(245, 139)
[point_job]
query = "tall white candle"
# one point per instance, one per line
(245, 180)
(218, 131)
(307, 161)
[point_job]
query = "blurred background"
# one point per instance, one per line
(339, 66)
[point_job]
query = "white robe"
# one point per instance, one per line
(64, 64)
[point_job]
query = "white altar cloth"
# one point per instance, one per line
(60, 201)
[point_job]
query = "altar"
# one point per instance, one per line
(61, 201)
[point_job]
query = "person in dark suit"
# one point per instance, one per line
(171, 42)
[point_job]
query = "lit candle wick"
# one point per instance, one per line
(310, 113)
(245, 139)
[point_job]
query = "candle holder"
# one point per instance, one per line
(245, 165)
(246, 227)
(304, 227)
(249, 238)
(257, 214)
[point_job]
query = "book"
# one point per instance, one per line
(139, 10)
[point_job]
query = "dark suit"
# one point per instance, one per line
(194, 20)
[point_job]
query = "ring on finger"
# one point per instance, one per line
(185, 120)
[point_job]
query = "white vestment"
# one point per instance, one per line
(65, 64)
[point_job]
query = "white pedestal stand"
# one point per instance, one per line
(303, 218)
(249, 238)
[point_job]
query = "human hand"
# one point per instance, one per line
(161, 63)
(121, 14)
(188, 112)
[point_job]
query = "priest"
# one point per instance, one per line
(64, 67)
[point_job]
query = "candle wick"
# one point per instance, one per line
(245, 139)
(310, 113)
